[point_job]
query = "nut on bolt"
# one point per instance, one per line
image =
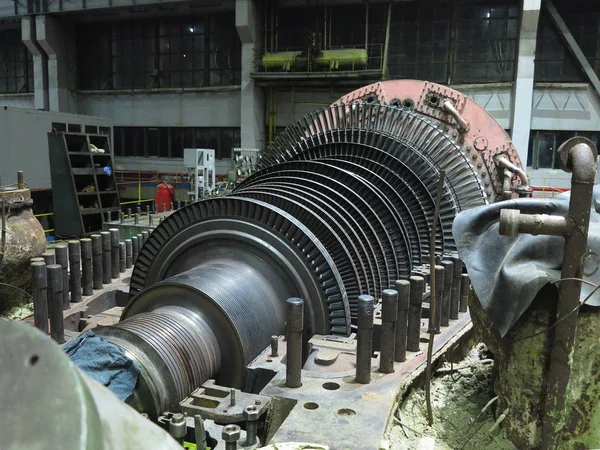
(231, 434)
(251, 413)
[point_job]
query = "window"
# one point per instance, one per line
(486, 41)
(16, 63)
(419, 40)
(169, 53)
(553, 61)
(544, 145)
(454, 41)
(169, 142)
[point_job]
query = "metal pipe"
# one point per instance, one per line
(435, 321)
(504, 162)
(386, 45)
(150, 220)
(171, 205)
(86, 266)
(178, 204)
(144, 237)
(129, 213)
(97, 261)
(106, 257)
(447, 294)
(579, 156)
(75, 269)
(128, 254)
(364, 338)
(138, 210)
(147, 210)
(140, 237)
(512, 222)
(108, 216)
(293, 327)
(136, 219)
(62, 258)
(389, 313)
(122, 261)
(114, 252)
(455, 299)
(465, 284)
(461, 124)
(506, 184)
(413, 337)
(40, 295)
(403, 288)
(121, 217)
(55, 302)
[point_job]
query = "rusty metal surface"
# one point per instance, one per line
(331, 408)
(581, 160)
(484, 139)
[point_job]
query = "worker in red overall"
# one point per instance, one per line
(165, 194)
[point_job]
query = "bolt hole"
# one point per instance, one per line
(434, 100)
(331, 386)
(346, 412)
(33, 360)
(225, 410)
(269, 360)
(408, 104)
(311, 405)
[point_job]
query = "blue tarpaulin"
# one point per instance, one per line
(105, 363)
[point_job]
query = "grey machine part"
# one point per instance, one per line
(37, 372)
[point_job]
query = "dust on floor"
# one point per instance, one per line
(458, 397)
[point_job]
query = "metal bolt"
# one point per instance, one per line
(469, 148)
(178, 427)
(258, 402)
(200, 433)
(483, 175)
(474, 157)
(251, 414)
(232, 397)
(274, 345)
(231, 434)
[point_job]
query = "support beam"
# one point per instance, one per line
(252, 115)
(573, 46)
(40, 63)
(54, 39)
(522, 101)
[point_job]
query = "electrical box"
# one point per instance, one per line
(200, 164)
(244, 162)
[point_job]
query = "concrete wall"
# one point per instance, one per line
(17, 100)
(210, 107)
(24, 143)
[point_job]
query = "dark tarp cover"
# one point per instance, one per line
(506, 272)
